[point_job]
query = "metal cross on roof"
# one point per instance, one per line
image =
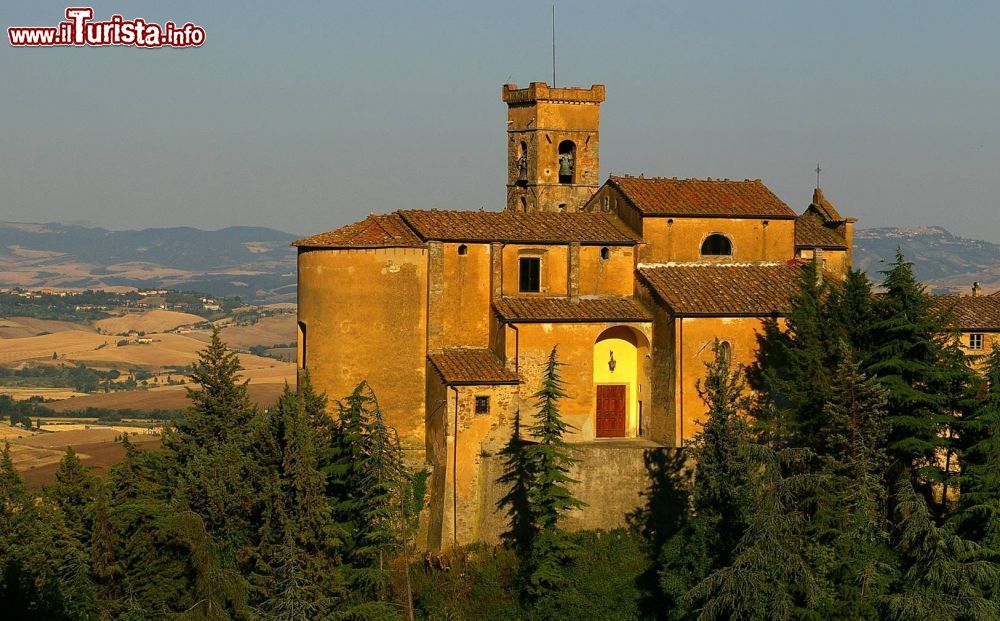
(818, 171)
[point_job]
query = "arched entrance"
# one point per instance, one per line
(619, 382)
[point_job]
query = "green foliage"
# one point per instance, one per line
(944, 576)
(978, 514)
(538, 473)
(601, 583)
(926, 377)
(708, 537)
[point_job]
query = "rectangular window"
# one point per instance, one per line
(976, 341)
(530, 277)
(482, 405)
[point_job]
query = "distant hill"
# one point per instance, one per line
(944, 262)
(258, 264)
(254, 263)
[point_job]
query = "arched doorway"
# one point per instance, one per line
(620, 385)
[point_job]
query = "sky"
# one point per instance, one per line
(305, 116)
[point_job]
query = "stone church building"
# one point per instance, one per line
(450, 315)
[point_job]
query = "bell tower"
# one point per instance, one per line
(552, 146)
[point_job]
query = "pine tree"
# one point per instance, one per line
(72, 492)
(549, 495)
(103, 555)
(708, 539)
(769, 576)
(209, 455)
(297, 517)
(847, 529)
(794, 368)
(342, 462)
(944, 577)
(978, 514)
(910, 358)
(221, 407)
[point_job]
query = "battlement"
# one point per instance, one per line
(540, 91)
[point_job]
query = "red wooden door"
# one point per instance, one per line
(611, 411)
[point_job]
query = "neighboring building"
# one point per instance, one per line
(976, 318)
(450, 315)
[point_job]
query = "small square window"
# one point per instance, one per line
(482, 405)
(976, 341)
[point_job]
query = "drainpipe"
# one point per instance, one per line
(517, 349)
(454, 479)
(680, 382)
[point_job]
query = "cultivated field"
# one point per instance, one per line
(168, 398)
(275, 330)
(22, 327)
(37, 456)
(149, 321)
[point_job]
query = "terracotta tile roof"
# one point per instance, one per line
(825, 208)
(743, 289)
(701, 197)
(556, 310)
(969, 313)
(372, 232)
(810, 232)
(470, 367)
(510, 226)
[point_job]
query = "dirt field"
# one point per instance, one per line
(279, 329)
(23, 327)
(37, 457)
(149, 321)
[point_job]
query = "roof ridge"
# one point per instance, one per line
(642, 177)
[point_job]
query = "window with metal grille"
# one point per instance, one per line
(976, 341)
(482, 404)
(530, 277)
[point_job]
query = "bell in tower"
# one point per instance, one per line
(552, 146)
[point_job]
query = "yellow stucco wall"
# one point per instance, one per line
(836, 262)
(680, 239)
(554, 268)
(465, 296)
(364, 313)
(531, 343)
(694, 339)
(611, 276)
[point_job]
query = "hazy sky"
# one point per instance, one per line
(307, 115)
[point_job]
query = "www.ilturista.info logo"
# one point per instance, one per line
(79, 29)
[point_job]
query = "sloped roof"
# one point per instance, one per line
(825, 208)
(811, 232)
(579, 310)
(471, 367)
(660, 196)
(739, 289)
(969, 313)
(511, 226)
(375, 231)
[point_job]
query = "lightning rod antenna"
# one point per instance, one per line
(553, 46)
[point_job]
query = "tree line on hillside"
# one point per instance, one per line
(860, 479)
